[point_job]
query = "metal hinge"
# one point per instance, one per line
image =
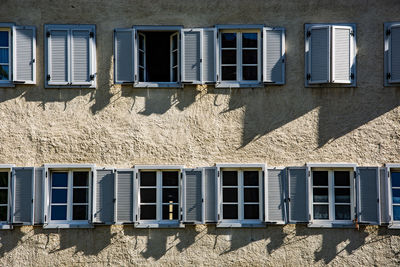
(309, 217)
(352, 76)
(283, 60)
(218, 174)
(388, 32)
(91, 77)
(136, 217)
(48, 77)
(181, 175)
(308, 33)
(46, 174)
(91, 34)
(45, 218)
(48, 34)
(217, 78)
(388, 76)
(135, 77)
(352, 33)
(308, 76)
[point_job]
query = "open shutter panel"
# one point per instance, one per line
(275, 209)
(342, 46)
(274, 55)
(39, 196)
(104, 199)
(394, 54)
(297, 195)
(125, 196)
(210, 193)
(193, 196)
(57, 57)
(24, 44)
(208, 56)
(384, 204)
(123, 56)
(318, 39)
(81, 57)
(23, 195)
(191, 56)
(368, 195)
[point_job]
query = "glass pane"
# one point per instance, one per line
(228, 57)
(170, 212)
(148, 212)
(81, 178)
(4, 38)
(175, 42)
(342, 195)
(174, 75)
(141, 42)
(229, 178)
(141, 59)
(396, 195)
(230, 211)
(249, 39)
(251, 212)
(320, 178)
(3, 196)
(170, 178)
(170, 194)
(321, 212)
(79, 212)
(395, 179)
(250, 73)
(3, 55)
(228, 40)
(342, 212)
(396, 213)
(59, 212)
(141, 75)
(148, 178)
(250, 178)
(59, 195)
(230, 195)
(4, 73)
(80, 195)
(342, 178)
(175, 58)
(250, 56)
(3, 179)
(320, 195)
(148, 195)
(59, 179)
(228, 73)
(251, 195)
(3, 213)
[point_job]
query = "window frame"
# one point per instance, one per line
(390, 167)
(5, 225)
(9, 27)
(387, 53)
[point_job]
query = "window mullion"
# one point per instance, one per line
(239, 57)
(159, 196)
(331, 192)
(70, 196)
(241, 196)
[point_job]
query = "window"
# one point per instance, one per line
(330, 53)
(5, 55)
(392, 54)
(70, 56)
(4, 196)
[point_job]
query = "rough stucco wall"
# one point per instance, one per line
(280, 125)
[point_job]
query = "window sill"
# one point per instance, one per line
(6, 227)
(159, 225)
(330, 85)
(157, 85)
(331, 225)
(67, 225)
(10, 85)
(394, 226)
(253, 224)
(70, 86)
(239, 85)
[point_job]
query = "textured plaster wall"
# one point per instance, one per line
(121, 126)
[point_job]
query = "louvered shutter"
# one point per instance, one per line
(123, 56)
(57, 59)
(275, 202)
(191, 71)
(342, 55)
(274, 55)
(208, 56)
(318, 44)
(210, 194)
(104, 196)
(23, 195)
(297, 195)
(384, 201)
(24, 44)
(81, 51)
(393, 34)
(193, 196)
(124, 185)
(38, 196)
(368, 195)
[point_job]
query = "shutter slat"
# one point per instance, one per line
(209, 36)
(38, 209)
(23, 195)
(210, 185)
(193, 201)
(276, 194)
(274, 68)
(58, 50)
(319, 58)
(298, 198)
(394, 60)
(341, 48)
(124, 196)
(25, 53)
(367, 191)
(191, 56)
(123, 56)
(80, 57)
(104, 198)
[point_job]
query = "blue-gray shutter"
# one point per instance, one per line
(80, 56)
(23, 195)
(24, 44)
(38, 196)
(210, 193)
(384, 201)
(208, 57)
(368, 195)
(341, 54)
(125, 196)
(191, 56)
(123, 56)
(193, 196)
(394, 54)
(276, 196)
(274, 53)
(105, 199)
(298, 195)
(319, 57)
(57, 49)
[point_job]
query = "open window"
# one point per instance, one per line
(5, 196)
(393, 194)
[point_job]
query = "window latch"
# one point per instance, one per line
(91, 34)
(352, 33)
(308, 33)
(388, 76)
(48, 77)
(388, 32)
(308, 76)
(352, 76)
(48, 34)
(91, 77)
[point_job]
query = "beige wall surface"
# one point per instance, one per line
(120, 126)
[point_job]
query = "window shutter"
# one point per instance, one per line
(384, 197)
(318, 54)
(368, 195)
(23, 195)
(193, 196)
(125, 196)
(393, 33)
(57, 60)
(274, 55)
(342, 54)
(104, 196)
(192, 55)
(123, 56)
(24, 44)
(81, 51)
(208, 55)
(210, 192)
(298, 195)
(275, 202)
(38, 196)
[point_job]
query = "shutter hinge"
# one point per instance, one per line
(202, 200)
(181, 175)
(135, 78)
(388, 32)
(283, 60)
(201, 60)
(377, 200)
(217, 78)
(308, 76)
(48, 34)
(352, 33)
(309, 217)
(114, 200)
(45, 218)
(352, 76)
(91, 77)
(91, 34)
(308, 33)
(46, 174)
(218, 174)
(218, 217)
(388, 76)
(48, 77)
(136, 217)
(288, 199)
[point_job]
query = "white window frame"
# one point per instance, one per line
(159, 222)
(331, 168)
(92, 56)
(138, 30)
(5, 225)
(387, 54)
(9, 82)
(68, 223)
(239, 30)
(390, 167)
